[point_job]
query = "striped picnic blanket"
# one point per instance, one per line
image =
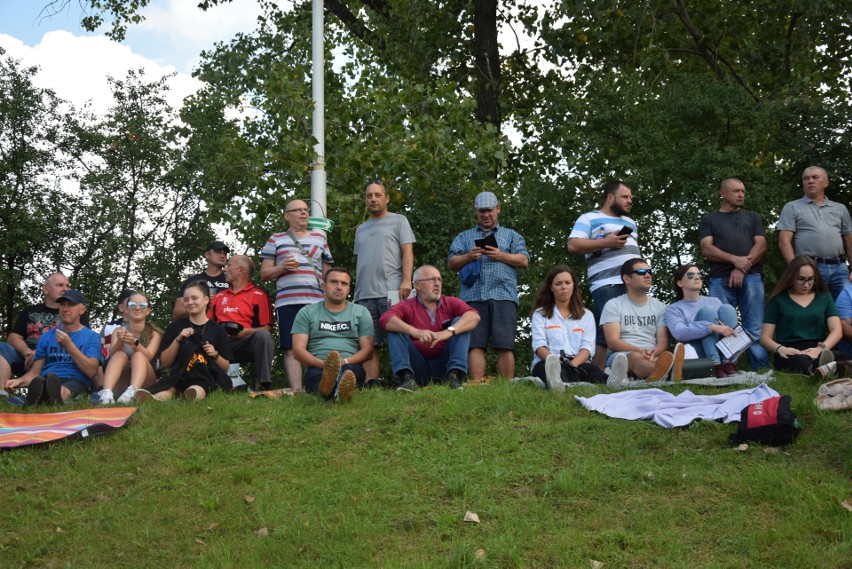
(22, 429)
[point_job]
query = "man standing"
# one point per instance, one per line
(491, 254)
(429, 335)
(635, 326)
(607, 238)
(246, 314)
(297, 259)
(16, 356)
(384, 245)
(216, 255)
(819, 228)
(734, 242)
(67, 357)
(333, 338)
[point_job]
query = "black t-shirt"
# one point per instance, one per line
(209, 332)
(734, 233)
(216, 284)
(36, 319)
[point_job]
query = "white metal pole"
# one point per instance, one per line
(318, 177)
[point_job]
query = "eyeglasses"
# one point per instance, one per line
(298, 210)
(805, 280)
(642, 272)
(693, 275)
(431, 280)
(141, 305)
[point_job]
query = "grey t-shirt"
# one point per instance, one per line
(639, 322)
(817, 230)
(378, 244)
(732, 232)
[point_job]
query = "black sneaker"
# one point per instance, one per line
(35, 391)
(371, 382)
(408, 383)
(53, 385)
(455, 379)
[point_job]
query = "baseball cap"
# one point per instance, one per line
(218, 246)
(485, 200)
(72, 296)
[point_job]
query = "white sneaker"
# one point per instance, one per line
(618, 371)
(129, 395)
(106, 398)
(553, 373)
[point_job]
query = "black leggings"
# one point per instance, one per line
(804, 365)
(586, 371)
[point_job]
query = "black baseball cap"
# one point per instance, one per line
(218, 246)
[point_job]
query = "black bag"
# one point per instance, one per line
(768, 422)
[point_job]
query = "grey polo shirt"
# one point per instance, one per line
(817, 230)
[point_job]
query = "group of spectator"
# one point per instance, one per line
(222, 319)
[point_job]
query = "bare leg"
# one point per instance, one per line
(506, 363)
(141, 371)
(115, 367)
(476, 363)
(638, 366)
(5, 372)
(293, 370)
(371, 366)
(166, 395)
(599, 359)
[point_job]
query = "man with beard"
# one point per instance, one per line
(333, 339)
(734, 241)
(607, 238)
(635, 327)
(429, 335)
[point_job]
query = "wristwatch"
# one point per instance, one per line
(452, 330)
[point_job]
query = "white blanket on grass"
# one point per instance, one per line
(670, 410)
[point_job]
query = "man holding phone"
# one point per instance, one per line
(607, 238)
(492, 289)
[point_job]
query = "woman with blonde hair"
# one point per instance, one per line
(133, 347)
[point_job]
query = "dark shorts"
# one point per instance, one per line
(75, 386)
(286, 315)
(498, 320)
(377, 307)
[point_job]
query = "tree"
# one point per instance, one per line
(32, 202)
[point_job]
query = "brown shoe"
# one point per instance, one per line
(662, 367)
(330, 371)
(346, 386)
(677, 369)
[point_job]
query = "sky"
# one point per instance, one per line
(75, 63)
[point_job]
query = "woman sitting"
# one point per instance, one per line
(700, 321)
(133, 347)
(196, 351)
(801, 325)
(563, 332)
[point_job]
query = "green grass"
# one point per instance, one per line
(386, 480)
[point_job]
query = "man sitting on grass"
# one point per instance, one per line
(66, 357)
(635, 327)
(333, 338)
(429, 335)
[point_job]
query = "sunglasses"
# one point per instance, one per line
(693, 275)
(141, 305)
(642, 272)
(371, 181)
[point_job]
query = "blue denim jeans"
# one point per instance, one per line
(750, 299)
(836, 277)
(706, 346)
(405, 356)
(600, 296)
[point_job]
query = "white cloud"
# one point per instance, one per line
(76, 67)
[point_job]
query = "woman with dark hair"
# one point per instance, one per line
(698, 320)
(801, 325)
(196, 352)
(563, 333)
